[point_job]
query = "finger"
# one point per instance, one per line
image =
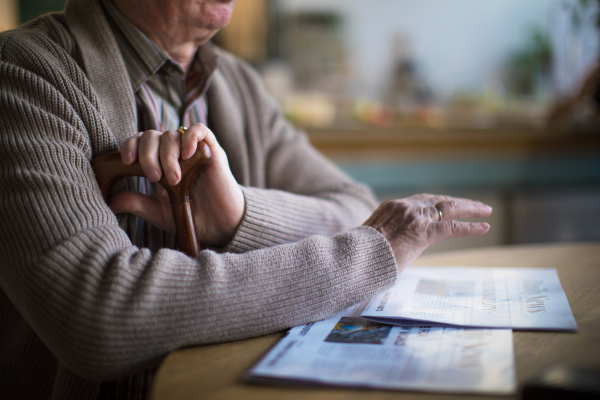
(142, 206)
(455, 208)
(129, 149)
(434, 213)
(427, 199)
(190, 139)
(433, 199)
(170, 149)
(202, 132)
(167, 210)
(148, 155)
(439, 231)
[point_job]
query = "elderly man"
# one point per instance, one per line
(93, 297)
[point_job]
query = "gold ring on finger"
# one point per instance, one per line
(439, 211)
(182, 129)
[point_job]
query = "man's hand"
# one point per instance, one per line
(218, 201)
(412, 224)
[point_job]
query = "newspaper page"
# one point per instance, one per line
(515, 298)
(347, 350)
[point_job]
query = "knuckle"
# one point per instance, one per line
(413, 214)
(198, 135)
(171, 135)
(204, 132)
(418, 197)
(392, 203)
(388, 206)
(149, 134)
(419, 227)
(196, 129)
(401, 205)
(454, 227)
(448, 229)
(146, 159)
(133, 139)
(198, 125)
(452, 205)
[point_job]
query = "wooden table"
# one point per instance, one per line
(215, 371)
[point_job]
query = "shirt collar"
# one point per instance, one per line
(143, 58)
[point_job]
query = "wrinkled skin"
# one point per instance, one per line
(410, 225)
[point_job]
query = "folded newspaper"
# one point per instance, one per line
(440, 338)
(515, 298)
(347, 350)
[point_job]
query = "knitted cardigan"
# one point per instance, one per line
(79, 303)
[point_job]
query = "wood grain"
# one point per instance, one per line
(216, 371)
(108, 167)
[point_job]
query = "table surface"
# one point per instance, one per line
(215, 371)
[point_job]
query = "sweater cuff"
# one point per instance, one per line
(271, 218)
(370, 261)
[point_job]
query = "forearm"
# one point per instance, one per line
(275, 217)
(107, 309)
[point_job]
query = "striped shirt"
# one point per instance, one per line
(166, 98)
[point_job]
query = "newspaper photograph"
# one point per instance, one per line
(347, 350)
(515, 298)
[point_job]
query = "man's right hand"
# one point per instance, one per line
(410, 225)
(217, 199)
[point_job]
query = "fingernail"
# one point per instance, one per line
(128, 157)
(172, 178)
(187, 153)
(153, 175)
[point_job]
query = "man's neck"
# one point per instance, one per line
(157, 24)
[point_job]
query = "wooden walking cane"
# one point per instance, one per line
(108, 167)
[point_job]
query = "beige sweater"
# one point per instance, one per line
(78, 302)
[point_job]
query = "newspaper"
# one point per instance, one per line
(516, 298)
(347, 350)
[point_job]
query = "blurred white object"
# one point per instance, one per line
(310, 110)
(278, 79)
(575, 43)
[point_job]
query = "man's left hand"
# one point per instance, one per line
(218, 201)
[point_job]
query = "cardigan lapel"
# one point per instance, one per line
(104, 66)
(225, 119)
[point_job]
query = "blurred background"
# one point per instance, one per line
(496, 100)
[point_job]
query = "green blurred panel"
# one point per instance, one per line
(390, 177)
(30, 9)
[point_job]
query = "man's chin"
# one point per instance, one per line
(216, 14)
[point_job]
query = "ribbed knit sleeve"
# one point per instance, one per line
(275, 217)
(107, 309)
